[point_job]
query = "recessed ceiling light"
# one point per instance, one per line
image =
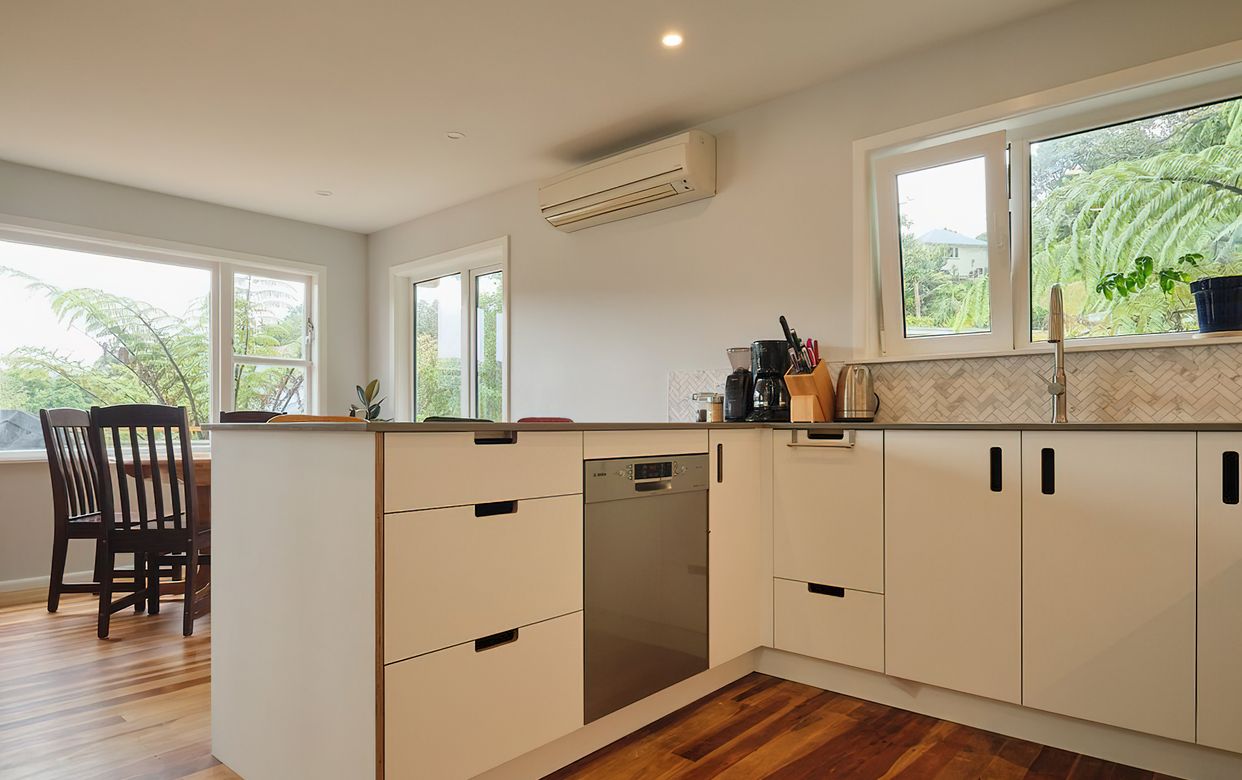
(671, 40)
(324, 193)
(454, 135)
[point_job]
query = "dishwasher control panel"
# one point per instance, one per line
(607, 480)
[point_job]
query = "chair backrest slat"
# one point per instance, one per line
(118, 462)
(174, 484)
(72, 468)
(140, 475)
(157, 485)
(81, 454)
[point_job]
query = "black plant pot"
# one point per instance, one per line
(1219, 302)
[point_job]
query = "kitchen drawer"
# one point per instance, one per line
(636, 444)
(428, 470)
(847, 627)
(828, 510)
(461, 711)
(463, 572)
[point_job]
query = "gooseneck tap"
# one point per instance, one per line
(1056, 337)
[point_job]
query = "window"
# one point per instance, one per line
(456, 361)
(931, 205)
(1085, 189)
(271, 343)
(82, 328)
(1162, 187)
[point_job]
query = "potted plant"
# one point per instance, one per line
(1218, 299)
(370, 407)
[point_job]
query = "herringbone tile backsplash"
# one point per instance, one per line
(1174, 384)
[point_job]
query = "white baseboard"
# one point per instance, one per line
(1157, 754)
(33, 583)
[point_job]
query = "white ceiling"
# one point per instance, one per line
(259, 103)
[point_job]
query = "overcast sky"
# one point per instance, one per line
(949, 196)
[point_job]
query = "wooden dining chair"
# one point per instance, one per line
(147, 446)
(75, 500)
(247, 417)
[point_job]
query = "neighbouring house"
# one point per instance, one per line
(19, 430)
(966, 256)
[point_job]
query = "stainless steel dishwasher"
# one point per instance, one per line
(645, 577)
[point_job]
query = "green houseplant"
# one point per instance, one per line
(1218, 299)
(366, 395)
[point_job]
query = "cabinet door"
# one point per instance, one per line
(1108, 590)
(953, 560)
(1220, 592)
(734, 544)
(828, 510)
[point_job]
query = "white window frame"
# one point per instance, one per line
(1200, 77)
(470, 262)
(24, 230)
(991, 148)
(227, 349)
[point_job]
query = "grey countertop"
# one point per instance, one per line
(411, 427)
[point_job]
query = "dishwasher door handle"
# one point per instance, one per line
(652, 487)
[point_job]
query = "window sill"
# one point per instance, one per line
(1044, 348)
(39, 456)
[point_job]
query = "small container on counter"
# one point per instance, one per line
(711, 407)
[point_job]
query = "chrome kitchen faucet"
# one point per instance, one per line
(1056, 337)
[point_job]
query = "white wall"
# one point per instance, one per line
(25, 499)
(601, 316)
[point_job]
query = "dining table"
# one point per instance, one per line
(202, 503)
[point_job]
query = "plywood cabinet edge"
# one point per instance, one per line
(379, 606)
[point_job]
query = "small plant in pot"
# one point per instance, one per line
(370, 408)
(1218, 299)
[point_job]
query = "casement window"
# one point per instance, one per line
(85, 324)
(926, 201)
(452, 361)
(970, 234)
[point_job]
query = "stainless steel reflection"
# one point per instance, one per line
(645, 577)
(1056, 336)
(856, 397)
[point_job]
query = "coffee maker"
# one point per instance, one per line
(769, 360)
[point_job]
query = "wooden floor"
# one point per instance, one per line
(764, 727)
(138, 706)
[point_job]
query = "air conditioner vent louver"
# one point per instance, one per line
(658, 175)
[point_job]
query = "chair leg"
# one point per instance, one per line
(60, 549)
(153, 584)
(140, 579)
(99, 560)
(105, 591)
(191, 568)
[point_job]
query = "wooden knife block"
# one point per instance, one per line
(811, 398)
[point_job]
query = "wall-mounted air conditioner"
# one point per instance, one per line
(654, 176)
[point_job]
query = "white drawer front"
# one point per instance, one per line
(828, 511)
(637, 444)
(428, 470)
(458, 712)
(451, 576)
(846, 629)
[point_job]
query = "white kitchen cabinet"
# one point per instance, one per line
(953, 560)
(828, 509)
(832, 623)
(1109, 577)
(1220, 592)
(734, 544)
(457, 574)
(463, 710)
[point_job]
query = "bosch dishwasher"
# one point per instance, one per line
(645, 577)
